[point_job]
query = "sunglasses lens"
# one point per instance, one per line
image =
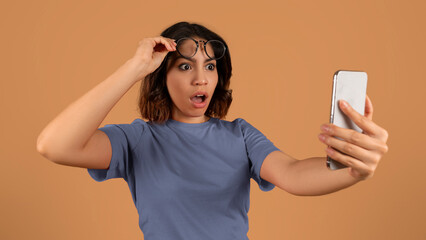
(188, 48)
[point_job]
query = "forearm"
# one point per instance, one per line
(311, 177)
(74, 126)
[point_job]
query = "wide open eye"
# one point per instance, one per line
(184, 66)
(210, 67)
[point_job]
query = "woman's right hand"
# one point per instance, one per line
(150, 53)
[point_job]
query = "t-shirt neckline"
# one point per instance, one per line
(175, 123)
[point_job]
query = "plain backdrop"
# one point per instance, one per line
(284, 55)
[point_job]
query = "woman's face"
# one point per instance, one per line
(191, 84)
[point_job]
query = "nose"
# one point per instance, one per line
(200, 77)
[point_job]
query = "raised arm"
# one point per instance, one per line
(73, 138)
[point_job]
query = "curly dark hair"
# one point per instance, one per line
(155, 103)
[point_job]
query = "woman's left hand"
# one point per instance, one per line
(364, 149)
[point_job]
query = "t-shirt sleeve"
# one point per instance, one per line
(124, 138)
(258, 147)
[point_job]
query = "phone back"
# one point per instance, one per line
(350, 86)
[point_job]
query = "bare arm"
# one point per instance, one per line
(312, 177)
(72, 137)
(308, 177)
(73, 127)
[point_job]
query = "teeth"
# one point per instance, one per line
(200, 95)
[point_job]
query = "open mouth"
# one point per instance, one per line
(198, 98)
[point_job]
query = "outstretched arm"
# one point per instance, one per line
(312, 177)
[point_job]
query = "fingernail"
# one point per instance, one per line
(344, 103)
(325, 128)
(321, 137)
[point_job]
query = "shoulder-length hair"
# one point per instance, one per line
(155, 103)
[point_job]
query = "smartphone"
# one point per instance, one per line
(350, 86)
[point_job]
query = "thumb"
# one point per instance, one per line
(368, 112)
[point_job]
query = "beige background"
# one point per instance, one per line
(284, 55)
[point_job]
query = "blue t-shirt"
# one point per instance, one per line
(188, 181)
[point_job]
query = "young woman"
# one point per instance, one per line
(187, 169)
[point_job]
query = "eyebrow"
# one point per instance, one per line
(192, 60)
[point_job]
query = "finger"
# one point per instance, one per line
(368, 112)
(369, 127)
(356, 165)
(166, 44)
(354, 137)
(352, 150)
(168, 39)
(161, 40)
(173, 41)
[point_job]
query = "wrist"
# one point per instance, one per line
(357, 176)
(138, 67)
(131, 71)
